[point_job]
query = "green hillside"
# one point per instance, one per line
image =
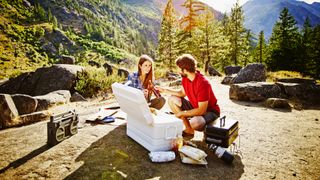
(36, 33)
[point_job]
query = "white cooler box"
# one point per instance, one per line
(154, 132)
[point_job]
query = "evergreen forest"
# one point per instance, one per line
(37, 33)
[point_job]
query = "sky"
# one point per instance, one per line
(225, 5)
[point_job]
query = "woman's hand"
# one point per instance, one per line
(160, 89)
(145, 92)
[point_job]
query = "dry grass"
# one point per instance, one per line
(272, 76)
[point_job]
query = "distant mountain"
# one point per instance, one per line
(36, 33)
(263, 14)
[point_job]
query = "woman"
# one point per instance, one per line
(143, 79)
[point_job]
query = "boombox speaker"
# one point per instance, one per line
(61, 127)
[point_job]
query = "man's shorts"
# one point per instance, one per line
(208, 116)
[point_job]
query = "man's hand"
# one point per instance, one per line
(180, 114)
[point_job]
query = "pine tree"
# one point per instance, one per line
(187, 24)
(207, 28)
(237, 33)
(225, 51)
(315, 55)
(260, 51)
(284, 43)
(191, 18)
(307, 49)
(40, 12)
(247, 48)
(166, 36)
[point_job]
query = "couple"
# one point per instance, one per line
(199, 110)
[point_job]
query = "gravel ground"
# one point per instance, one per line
(274, 144)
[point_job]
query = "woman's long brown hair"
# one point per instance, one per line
(149, 76)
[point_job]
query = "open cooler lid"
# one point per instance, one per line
(132, 102)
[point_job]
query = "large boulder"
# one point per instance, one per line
(43, 80)
(229, 70)
(171, 76)
(64, 59)
(255, 92)
(2, 81)
(53, 98)
(277, 103)
(108, 69)
(307, 94)
(8, 111)
(123, 72)
(252, 72)
(175, 83)
(227, 79)
(213, 72)
(25, 104)
(58, 77)
(31, 118)
(76, 97)
(94, 64)
(297, 80)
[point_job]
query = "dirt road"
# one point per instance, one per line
(274, 144)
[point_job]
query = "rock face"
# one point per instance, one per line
(252, 72)
(43, 80)
(303, 94)
(25, 104)
(53, 98)
(8, 111)
(255, 92)
(229, 70)
(53, 40)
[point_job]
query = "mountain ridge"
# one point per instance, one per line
(263, 14)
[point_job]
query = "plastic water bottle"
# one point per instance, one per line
(177, 143)
(222, 154)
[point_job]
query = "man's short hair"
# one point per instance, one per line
(187, 62)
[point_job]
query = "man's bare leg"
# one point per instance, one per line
(198, 123)
(175, 106)
(186, 123)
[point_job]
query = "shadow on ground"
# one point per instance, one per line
(260, 105)
(17, 163)
(116, 156)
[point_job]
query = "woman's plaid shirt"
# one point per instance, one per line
(135, 80)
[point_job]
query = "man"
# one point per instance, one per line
(202, 107)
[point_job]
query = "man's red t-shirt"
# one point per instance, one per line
(199, 90)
